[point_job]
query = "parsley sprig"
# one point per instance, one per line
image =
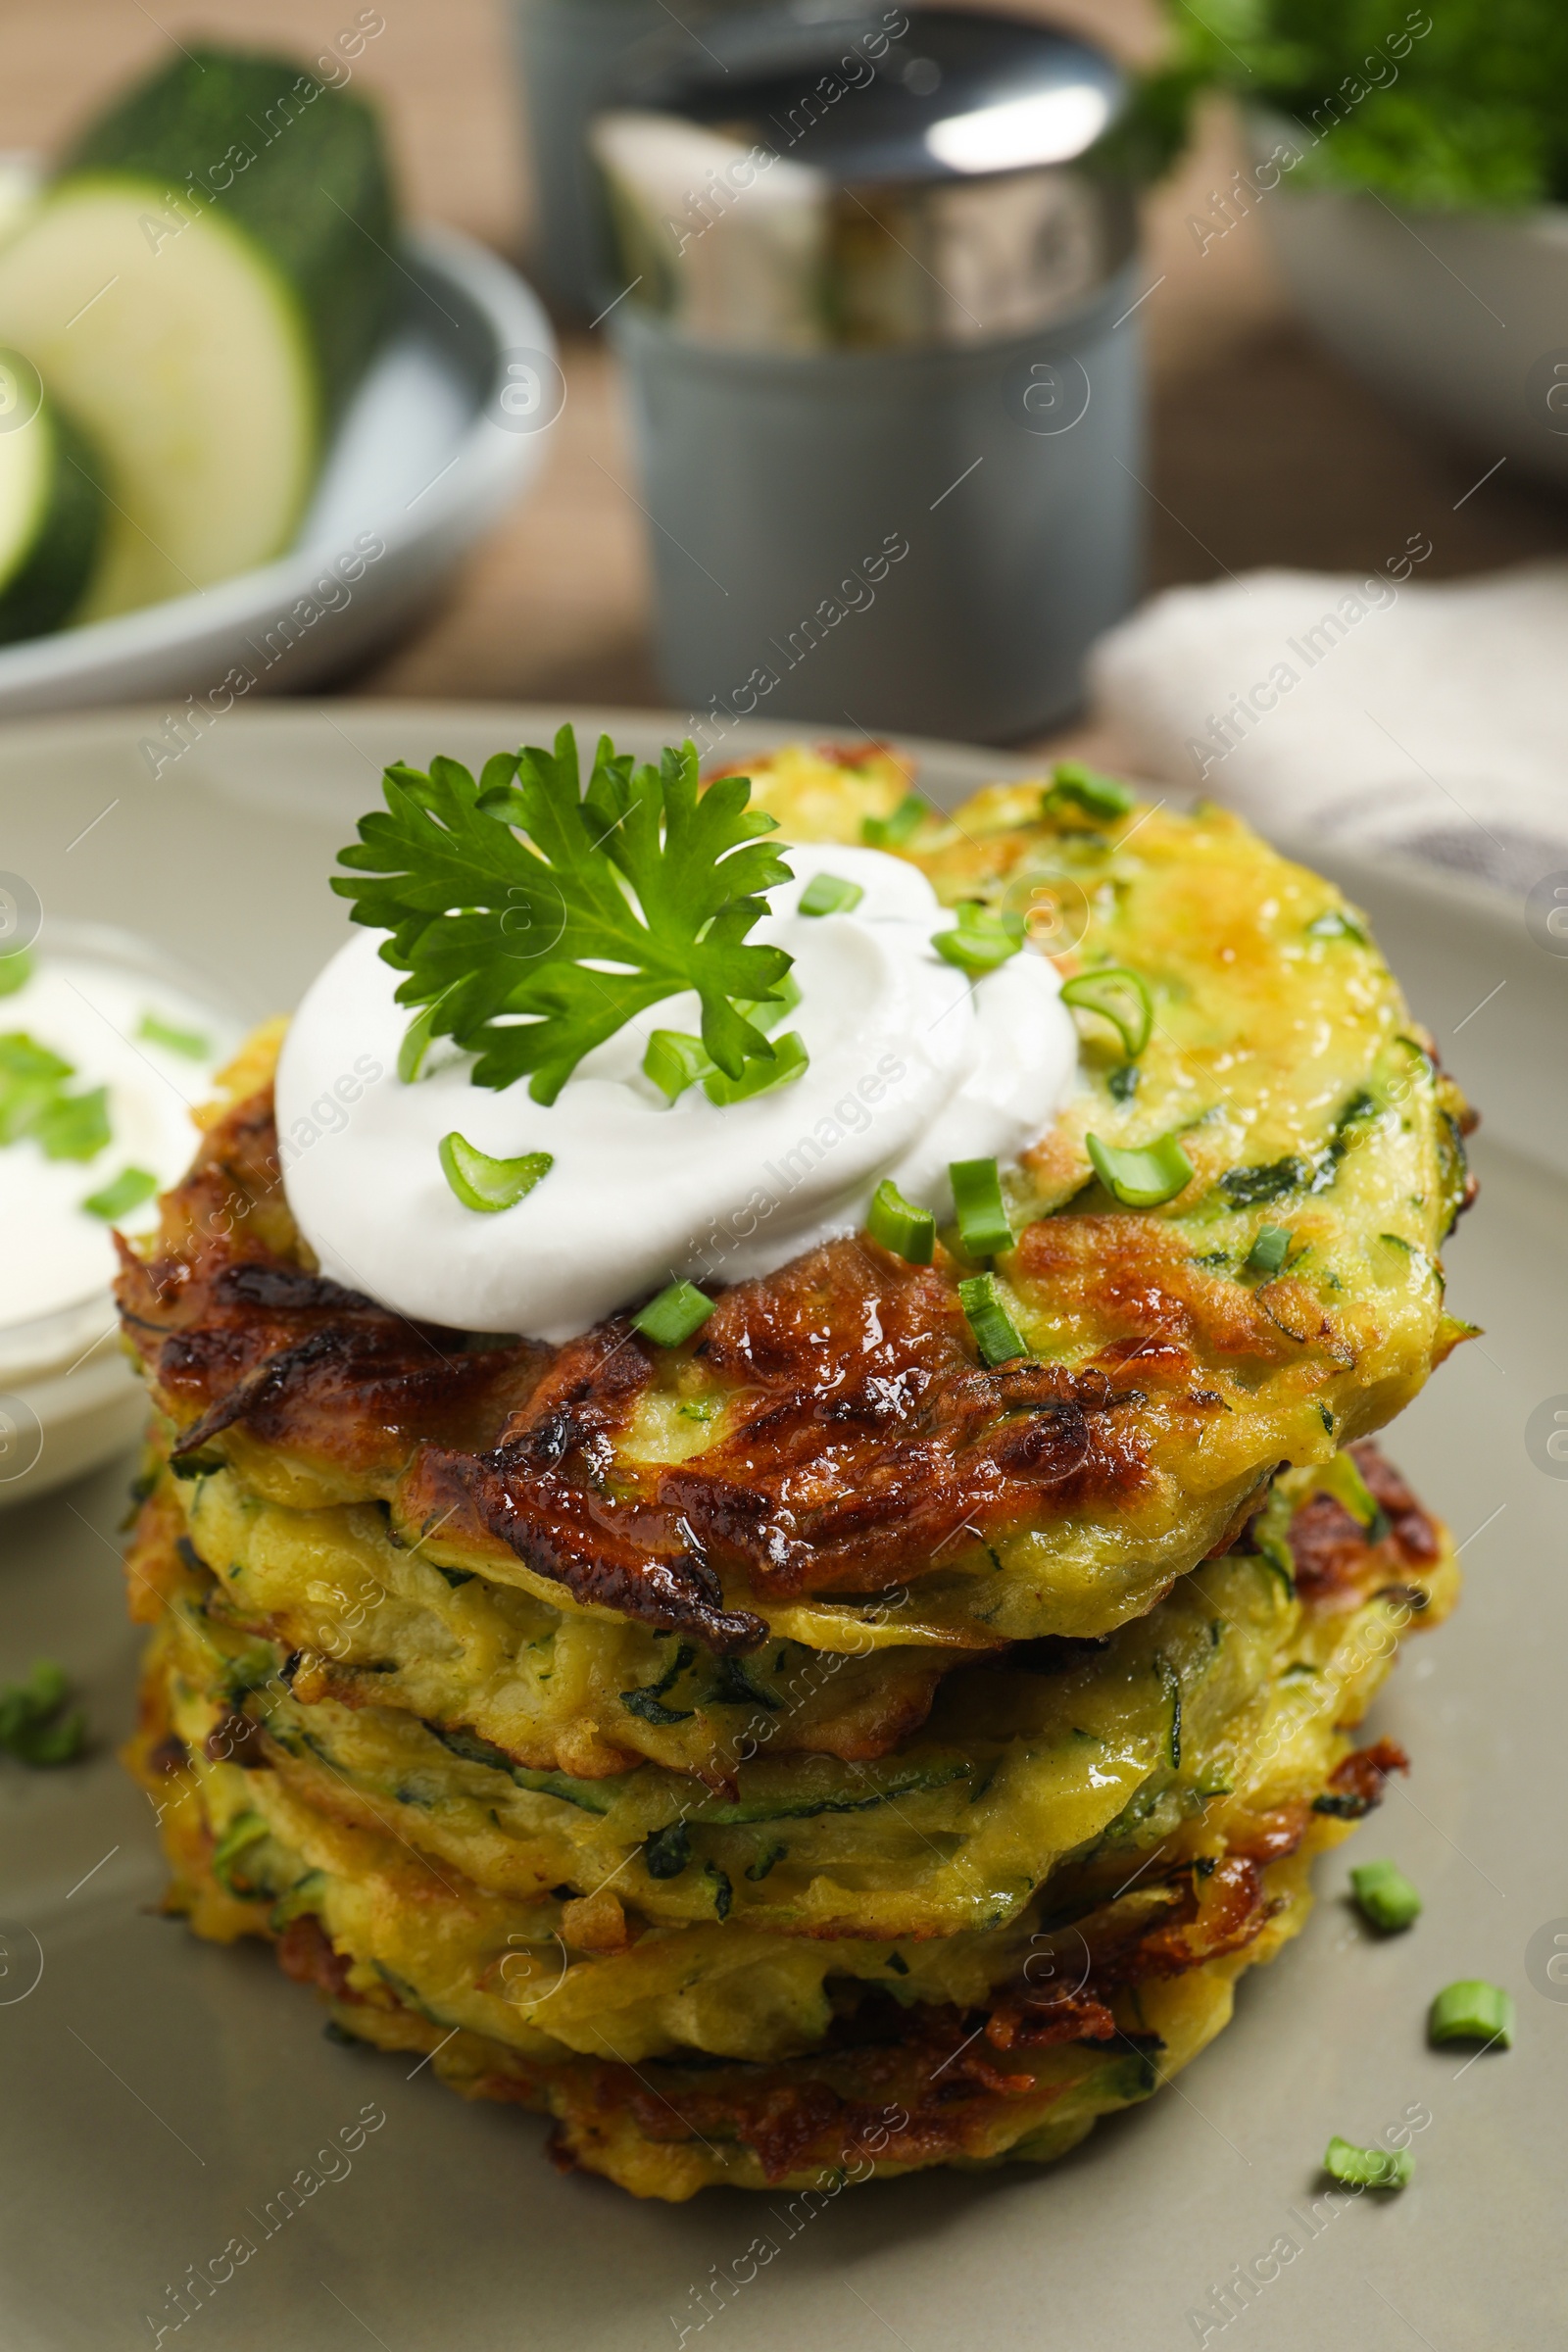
(534, 919)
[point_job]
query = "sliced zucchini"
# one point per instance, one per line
(51, 508)
(202, 285)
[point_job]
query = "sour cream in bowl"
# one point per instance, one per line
(105, 1050)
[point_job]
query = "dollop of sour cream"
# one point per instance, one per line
(912, 1065)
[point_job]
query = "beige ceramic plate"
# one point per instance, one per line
(161, 2095)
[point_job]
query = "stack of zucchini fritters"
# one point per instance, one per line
(811, 1749)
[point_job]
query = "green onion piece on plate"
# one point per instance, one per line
(675, 1060)
(1472, 2011)
(829, 894)
(978, 1206)
(189, 1042)
(1368, 2167)
(911, 1233)
(759, 1077)
(1074, 786)
(125, 1191)
(1269, 1252)
(980, 939)
(673, 1315)
(1385, 1895)
(1120, 997)
(995, 1333)
(1144, 1176)
(487, 1184)
(891, 832)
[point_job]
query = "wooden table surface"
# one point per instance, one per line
(1263, 449)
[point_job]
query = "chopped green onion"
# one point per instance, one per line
(1144, 1176)
(22, 1057)
(670, 1319)
(995, 1333)
(978, 1206)
(829, 894)
(74, 1126)
(22, 1103)
(1385, 1895)
(911, 1233)
(1368, 2167)
(487, 1184)
(891, 832)
(127, 1190)
(15, 970)
(980, 939)
(675, 1060)
(1472, 2011)
(1074, 786)
(759, 1077)
(766, 1012)
(1336, 923)
(32, 1727)
(1120, 997)
(1269, 1252)
(189, 1042)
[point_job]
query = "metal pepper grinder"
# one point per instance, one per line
(878, 323)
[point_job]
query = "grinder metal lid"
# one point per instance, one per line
(799, 180)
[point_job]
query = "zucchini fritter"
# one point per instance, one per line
(829, 1436)
(1024, 1764)
(815, 1751)
(413, 1912)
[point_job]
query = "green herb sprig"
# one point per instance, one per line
(535, 918)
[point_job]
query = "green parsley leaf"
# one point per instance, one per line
(537, 918)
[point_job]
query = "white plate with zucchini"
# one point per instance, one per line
(247, 420)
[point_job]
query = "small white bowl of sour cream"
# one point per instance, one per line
(106, 1047)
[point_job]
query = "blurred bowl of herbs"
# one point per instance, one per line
(1411, 165)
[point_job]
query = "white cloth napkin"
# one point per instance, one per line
(1428, 722)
